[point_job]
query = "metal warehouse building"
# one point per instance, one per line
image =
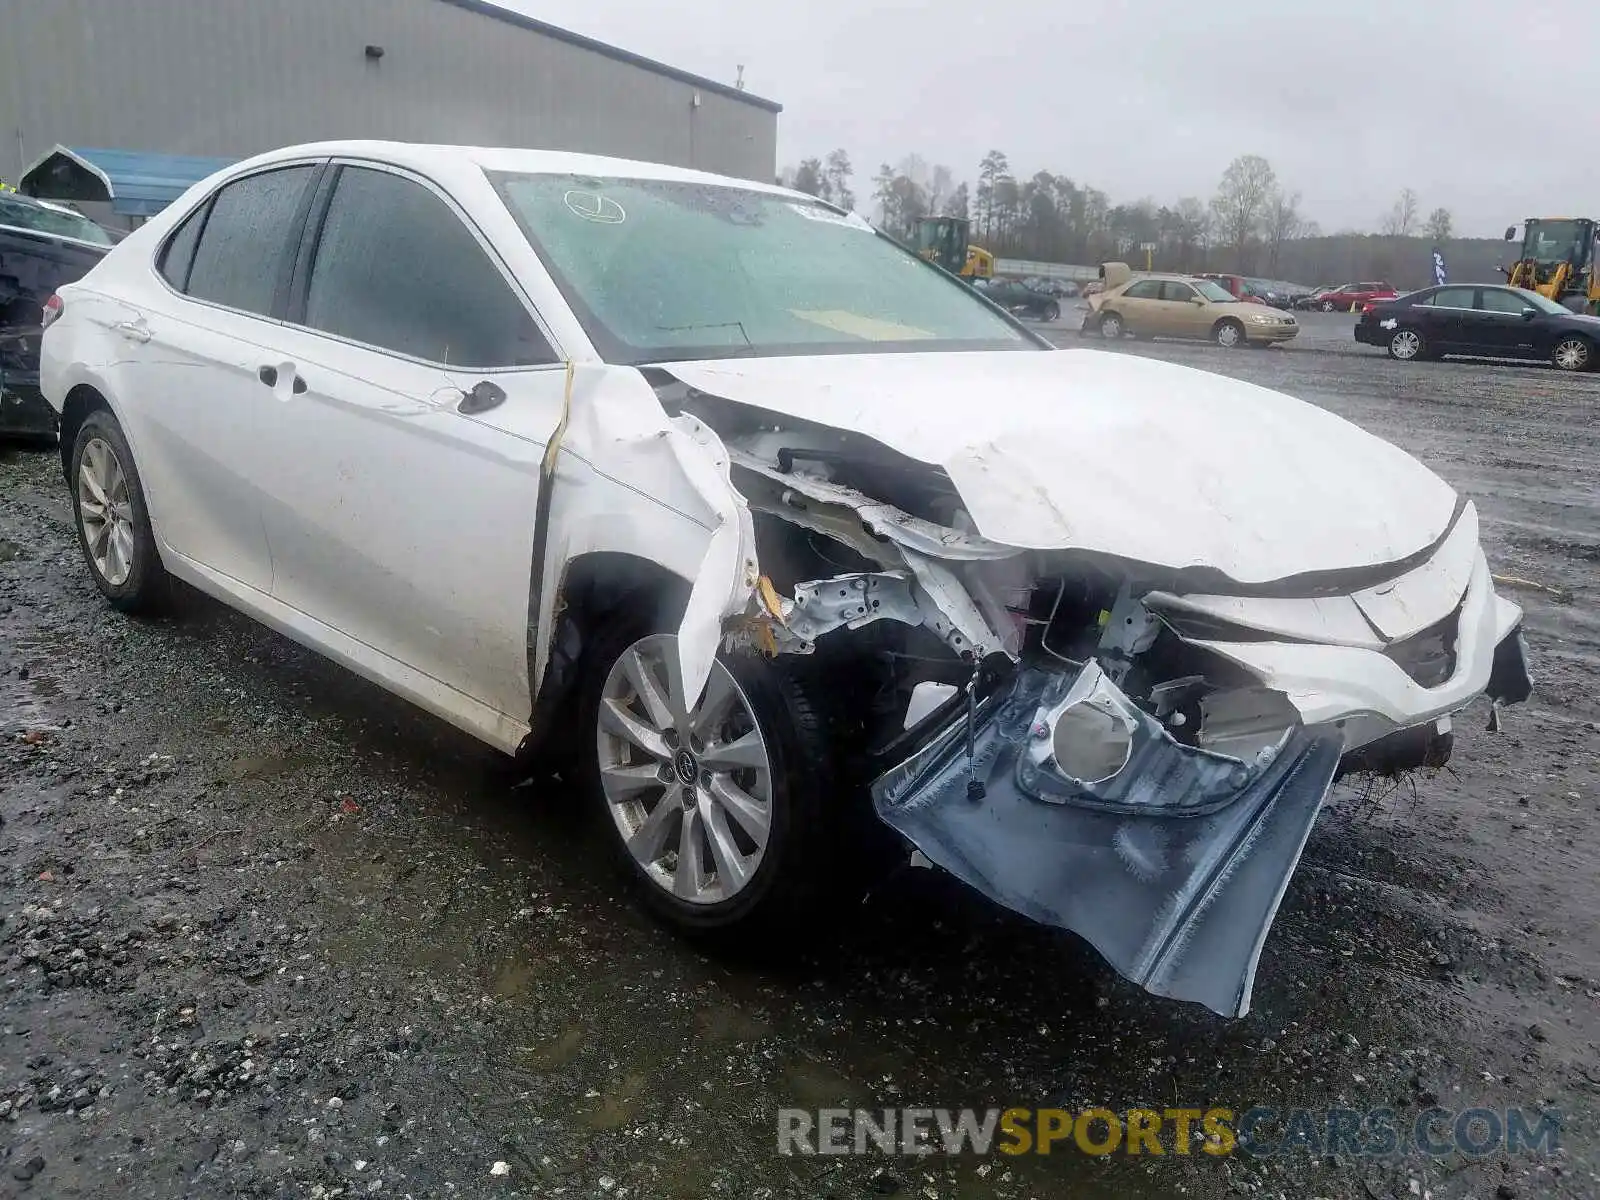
(230, 78)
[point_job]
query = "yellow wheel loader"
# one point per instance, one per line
(943, 241)
(1557, 260)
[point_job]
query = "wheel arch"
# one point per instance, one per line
(82, 399)
(594, 586)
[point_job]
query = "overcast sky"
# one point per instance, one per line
(1483, 106)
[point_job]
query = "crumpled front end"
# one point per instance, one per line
(1134, 751)
(1171, 863)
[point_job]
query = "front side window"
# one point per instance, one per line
(1173, 289)
(657, 270)
(247, 239)
(1498, 300)
(1213, 292)
(396, 268)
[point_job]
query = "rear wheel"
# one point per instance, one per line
(113, 522)
(1111, 326)
(1228, 334)
(1572, 353)
(1326, 306)
(717, 808)
(1407, 345)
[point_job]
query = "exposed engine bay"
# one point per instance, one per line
(1130, 751)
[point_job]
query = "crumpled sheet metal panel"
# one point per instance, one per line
(1180, 905)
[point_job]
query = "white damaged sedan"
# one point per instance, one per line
(783, 538)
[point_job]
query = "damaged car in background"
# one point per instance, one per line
(785, 544)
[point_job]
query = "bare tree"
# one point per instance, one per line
(1402, 218)
(1440, 225)
(1282, 224)
(1242, 200)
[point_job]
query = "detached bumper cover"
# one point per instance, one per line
(1178, 903)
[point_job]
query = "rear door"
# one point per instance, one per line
(1443, 320)
(192, 344)
(1140, 306)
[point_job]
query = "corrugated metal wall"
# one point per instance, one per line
(236, 77)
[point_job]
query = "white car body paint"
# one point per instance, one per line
(1085, 450)
(1071, 450)
(1388, 323)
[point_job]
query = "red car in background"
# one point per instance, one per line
(1352, 296)
(1237, 286)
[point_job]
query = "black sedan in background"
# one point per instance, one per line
(1485, 321)
(42, 246)
(1022, 301)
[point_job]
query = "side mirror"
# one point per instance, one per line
(1197, 300)
(1511, 233)
(1529, 314)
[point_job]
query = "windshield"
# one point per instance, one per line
(1556, 241)
(23, 214)
(1213, 291)
(1542, 303)
(659, 270)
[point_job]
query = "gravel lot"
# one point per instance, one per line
(267, 932)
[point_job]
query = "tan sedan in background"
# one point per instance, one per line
(1180, 306)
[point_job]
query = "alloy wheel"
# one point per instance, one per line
(1111, 326)
(1571, 354)
(106, 512)
(1228, 335)
(689, 788)
(1405, 345)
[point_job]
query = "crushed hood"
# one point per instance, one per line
(1127, 456)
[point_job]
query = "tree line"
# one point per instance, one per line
(1252, 224)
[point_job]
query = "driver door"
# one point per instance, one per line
(393, 516)
(1187, 315)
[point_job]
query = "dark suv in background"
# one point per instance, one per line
(42, 246)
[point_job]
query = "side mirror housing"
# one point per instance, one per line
(1200, 300)
(1529, 314)
(1511, 233)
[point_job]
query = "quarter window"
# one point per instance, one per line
(242, 249)
(178, 255)
(1145, 289)
(396, 268)
(1498, 300)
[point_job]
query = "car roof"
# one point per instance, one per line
(445, 160)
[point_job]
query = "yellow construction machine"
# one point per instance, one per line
(943, 241)
(1557, 260)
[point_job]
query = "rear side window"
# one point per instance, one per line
(243, 247)
(1145, 289)
(178, 255)
(397, 268)
(1460, 297)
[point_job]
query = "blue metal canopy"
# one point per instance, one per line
(136, 184)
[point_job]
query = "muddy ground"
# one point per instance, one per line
(267, 932)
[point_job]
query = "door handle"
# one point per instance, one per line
(134, 331)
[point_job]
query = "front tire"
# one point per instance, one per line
(114, 532)
(1052, 312)
(1326, 306)
(718, 811)
(1408, 345)
(1228, 334)
(1572, 353)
